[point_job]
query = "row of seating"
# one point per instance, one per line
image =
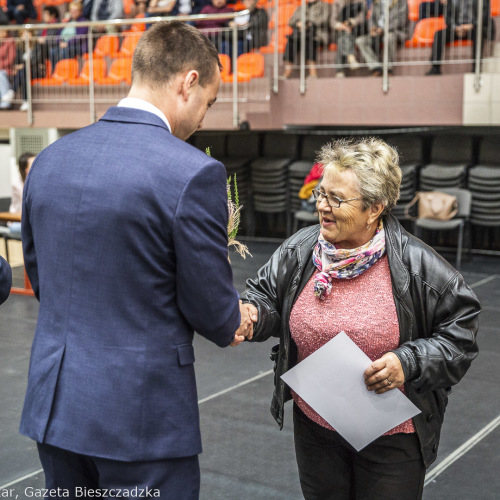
(272, 169)
(67, 71)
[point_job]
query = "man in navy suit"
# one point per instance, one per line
(5, 280)
(125, 242)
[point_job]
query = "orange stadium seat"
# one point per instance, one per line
(84, 77)
(413, 6)
(269, 49)
(128, 44)
(495, 8)
(120, 71)
(106, 46)
(285, 12)
(225, 62)
(251, 64)
(64, 70)
(423, 35)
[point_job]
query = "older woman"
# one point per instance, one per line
(360, 272)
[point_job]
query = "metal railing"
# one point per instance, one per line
(41, 89)
(458, 51)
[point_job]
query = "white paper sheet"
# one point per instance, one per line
(331, 381)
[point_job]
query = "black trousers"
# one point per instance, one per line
(292, 48)
(389, 468)
(442, 37)
(75, 476)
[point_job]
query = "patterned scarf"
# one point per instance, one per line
(345, 263)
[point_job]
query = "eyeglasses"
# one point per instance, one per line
(333, 201)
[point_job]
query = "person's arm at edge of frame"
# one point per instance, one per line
(5, 280)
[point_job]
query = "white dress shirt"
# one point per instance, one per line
(134, 102)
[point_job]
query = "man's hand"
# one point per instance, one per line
(384, 374)
(249, 315)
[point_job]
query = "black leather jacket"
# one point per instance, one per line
(437, 314)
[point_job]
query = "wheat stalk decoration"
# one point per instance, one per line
(234, 209)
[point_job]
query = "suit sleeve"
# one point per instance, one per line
(205, 292)
(5, 280)
(30, 258)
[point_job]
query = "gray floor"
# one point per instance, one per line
(245, 455)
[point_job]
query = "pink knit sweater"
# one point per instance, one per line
(363, 308)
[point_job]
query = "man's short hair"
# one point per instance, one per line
(169, 48)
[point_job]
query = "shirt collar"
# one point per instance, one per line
(135, 103)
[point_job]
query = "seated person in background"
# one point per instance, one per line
(72, 41)
(461, 24)
(370, 45)
(316, 28)
(5, 280)
(21, 11)
(348, 21)
(252, 30)
(103, 10)
(19, 74)
(7, 59)
(431, 9)
(162, 8)
(47, 37)
(16, 203)
(197, 5)
(212, 27)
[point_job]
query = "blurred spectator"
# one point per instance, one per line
(140, 8)
(72, 41)
(461, 24)
(316, 28)
(163, 8)
(24, 56)
(348, 21)
(185, 7)
(370, 45)
(197, 5)
(16, 203)
(212, 27)
(103, 10)
(21, 10)
(7, 59)
(47, 39)
(252, 29)
(431, 9)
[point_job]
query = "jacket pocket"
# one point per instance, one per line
(185, 354)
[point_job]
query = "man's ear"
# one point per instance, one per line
(190, 81)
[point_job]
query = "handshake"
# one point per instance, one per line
(249, 316)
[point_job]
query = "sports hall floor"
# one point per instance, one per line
(245, 455)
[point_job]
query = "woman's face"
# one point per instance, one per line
(346, 226)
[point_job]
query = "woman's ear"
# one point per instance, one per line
(375, 211)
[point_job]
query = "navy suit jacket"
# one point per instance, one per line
(5, 280)
(125, 241)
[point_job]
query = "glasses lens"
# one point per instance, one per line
(335, 201)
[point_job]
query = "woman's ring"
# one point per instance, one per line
(388, 382)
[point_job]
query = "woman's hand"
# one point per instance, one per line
(384, 374)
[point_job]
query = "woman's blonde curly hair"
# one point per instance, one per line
(375, 164)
